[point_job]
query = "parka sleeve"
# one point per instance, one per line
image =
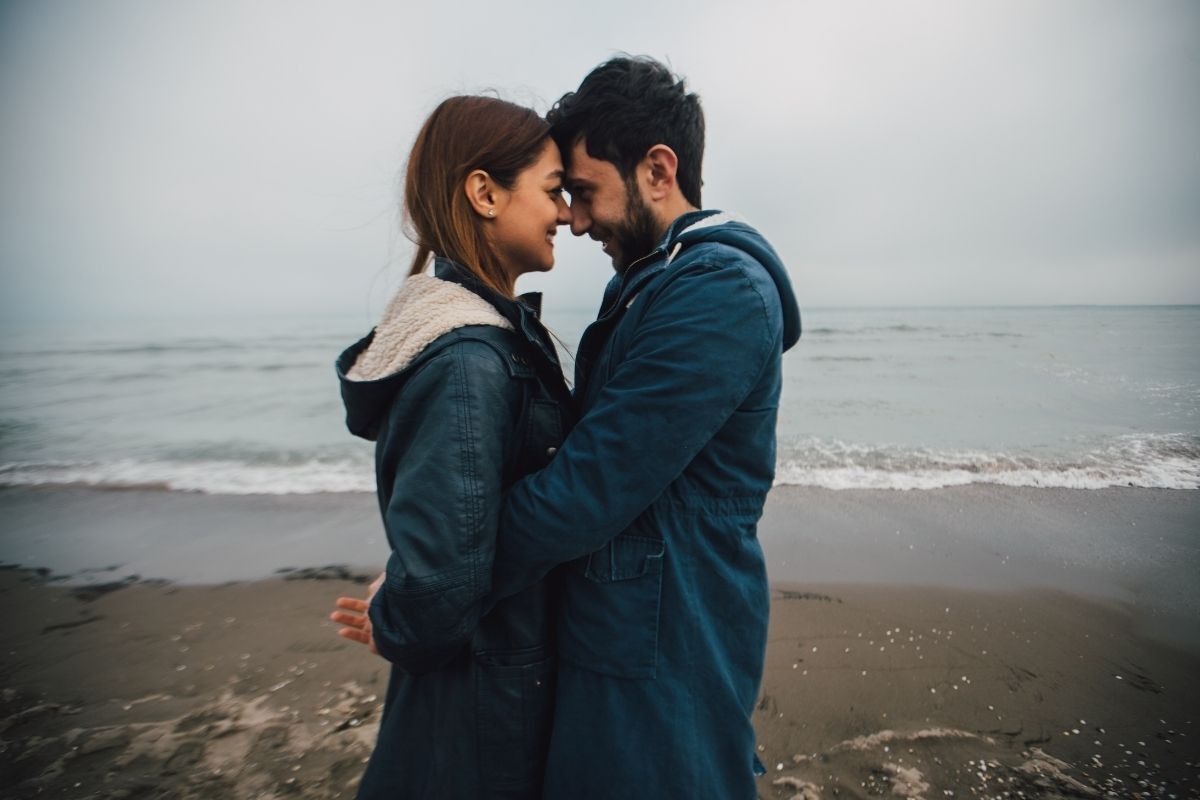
(447, 439)
(697, 354)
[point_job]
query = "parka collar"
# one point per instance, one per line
(681, 223)
(623, 286)
(701, 226)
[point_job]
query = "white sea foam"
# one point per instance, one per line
(1151, 461)
(1162, 461)
(208, 476)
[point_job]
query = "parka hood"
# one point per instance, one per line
(373, 369)
(728, 229)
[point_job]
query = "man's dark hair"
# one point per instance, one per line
(624, 107)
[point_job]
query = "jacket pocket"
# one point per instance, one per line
(544, 429)
(515, 701)
(611, 602)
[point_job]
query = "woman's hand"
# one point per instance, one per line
(354, 616)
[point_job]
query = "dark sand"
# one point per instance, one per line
(923, 692)
(146, 691)
(951, 669)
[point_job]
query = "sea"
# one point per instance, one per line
(906, 399)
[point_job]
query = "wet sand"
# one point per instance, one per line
(244, 691)
(881, 679)
(1139, 547)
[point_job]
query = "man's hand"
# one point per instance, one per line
(354, 616)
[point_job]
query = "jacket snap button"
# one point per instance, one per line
(517, 357)
(550, 451)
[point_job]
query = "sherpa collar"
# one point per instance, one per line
(423, 309)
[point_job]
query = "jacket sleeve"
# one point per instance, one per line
(447, 437)
(697, 353)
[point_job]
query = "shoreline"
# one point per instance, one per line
(1134, 547)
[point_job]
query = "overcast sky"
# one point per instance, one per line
(210, 157)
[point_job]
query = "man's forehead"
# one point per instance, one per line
(585, 169)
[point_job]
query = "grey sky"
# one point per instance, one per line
(208, 157)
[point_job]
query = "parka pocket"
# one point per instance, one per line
(515, 700)
(611, 606)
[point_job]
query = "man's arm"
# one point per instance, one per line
(696, 355)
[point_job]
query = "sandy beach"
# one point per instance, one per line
(884, 677)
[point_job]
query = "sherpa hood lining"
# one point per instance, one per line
(423, 309)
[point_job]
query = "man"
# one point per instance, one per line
(653, 499)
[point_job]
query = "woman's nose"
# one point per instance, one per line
(564, 213)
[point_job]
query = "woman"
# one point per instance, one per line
(460, 388)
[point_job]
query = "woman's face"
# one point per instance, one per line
(523, 230)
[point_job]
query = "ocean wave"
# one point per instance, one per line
(209, 476)
(871, 330)
(183, 347)
(122, 349)
(1155, 461)
(1147, 461)
(972, 335)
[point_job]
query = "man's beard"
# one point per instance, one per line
(638, 233)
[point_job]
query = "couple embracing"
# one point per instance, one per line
(575, 604)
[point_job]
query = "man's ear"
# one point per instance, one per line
(660, 165)
(485, 196)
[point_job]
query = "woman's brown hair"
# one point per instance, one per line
(464, 134)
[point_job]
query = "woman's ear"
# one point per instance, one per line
(486, 197)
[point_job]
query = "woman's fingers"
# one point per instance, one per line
(358, 624)
(352, 620)
(362, 637)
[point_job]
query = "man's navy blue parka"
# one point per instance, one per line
(654, 499)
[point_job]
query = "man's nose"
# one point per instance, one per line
(581, 221)
(565, 215)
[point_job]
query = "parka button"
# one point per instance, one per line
(517, 357)
(550, 451)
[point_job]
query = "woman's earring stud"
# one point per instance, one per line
(491, 212)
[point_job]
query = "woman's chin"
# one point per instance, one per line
(540, 267)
